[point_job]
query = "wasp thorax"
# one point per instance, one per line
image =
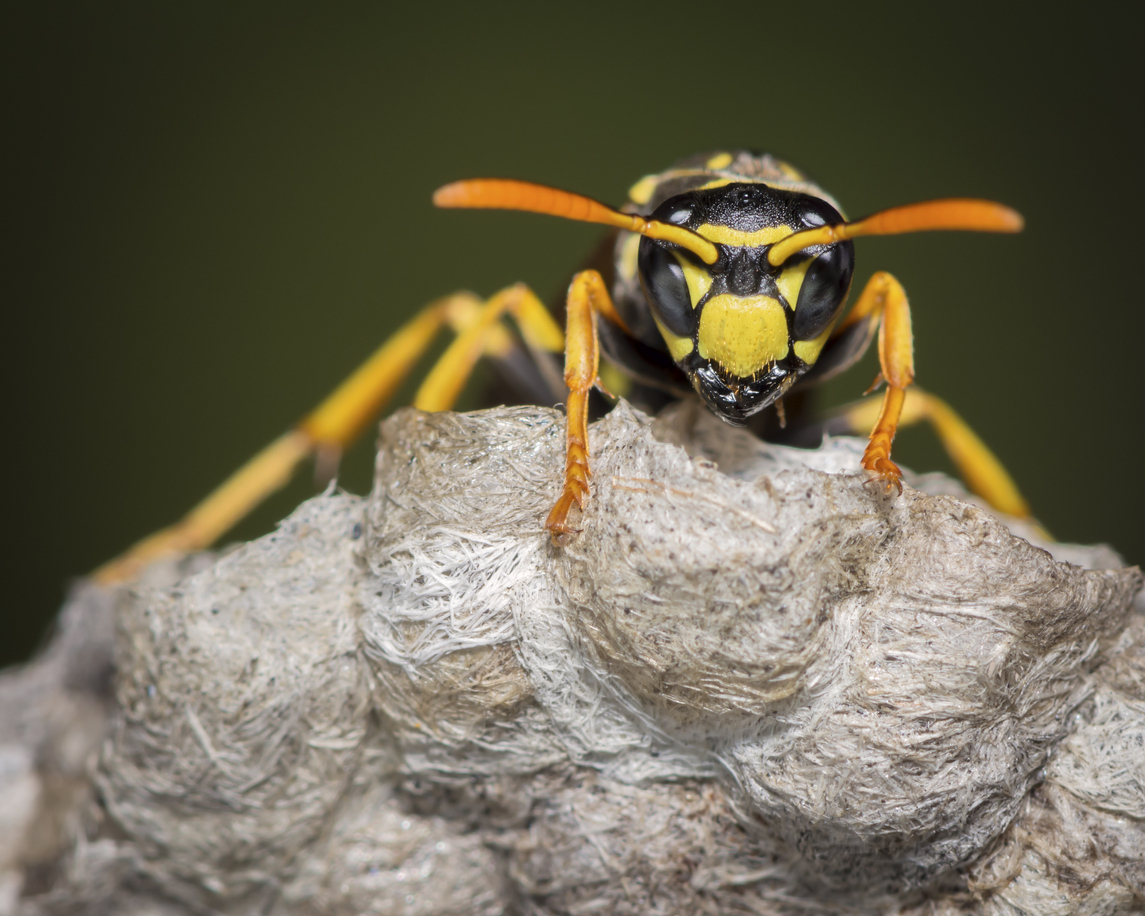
(743, 329)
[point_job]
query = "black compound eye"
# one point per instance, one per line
(665, 288)
(814, 211)
(823, 291)
(679, 210)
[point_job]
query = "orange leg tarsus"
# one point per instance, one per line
(877, 456)
(885, 297)
(557, 524)
(979, 467)
(576, 489)
(587, 296)
(575, 492)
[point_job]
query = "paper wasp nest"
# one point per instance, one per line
(752, 685)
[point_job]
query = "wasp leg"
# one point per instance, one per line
(483, 336)
(978, 466)
(587, 296)
(339, 419)
(884, 300)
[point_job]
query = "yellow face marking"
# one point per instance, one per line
(716, 183)
(790, 281)
(679, 347)
(809, 350)
(743, 334)
(719, 161)
(641, 192)
(723, 235)
(699, 280)
(629, 252)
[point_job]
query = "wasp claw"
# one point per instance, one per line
(561, 532)
(883, 471)
(886, 482)
(562, 537)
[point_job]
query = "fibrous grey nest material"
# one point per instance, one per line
(753, 684)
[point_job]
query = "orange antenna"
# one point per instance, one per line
(953, 213)
(507, 194)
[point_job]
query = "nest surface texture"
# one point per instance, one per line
(752, 684)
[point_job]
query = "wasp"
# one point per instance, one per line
(728, 280)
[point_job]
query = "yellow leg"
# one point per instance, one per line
(339, 419)
(982, 471)
(587, 296)
(446, 380)
(884, 300)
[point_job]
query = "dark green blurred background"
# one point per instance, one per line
(215, 212)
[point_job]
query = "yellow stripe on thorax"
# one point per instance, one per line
(641, 192)
(791, 171)
(743, 334)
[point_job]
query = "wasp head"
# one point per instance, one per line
(742, 329)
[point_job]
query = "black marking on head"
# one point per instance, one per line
(746, 207)
(665, 288)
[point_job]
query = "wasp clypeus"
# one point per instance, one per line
(728, 278)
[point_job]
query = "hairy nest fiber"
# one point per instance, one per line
(754, 684)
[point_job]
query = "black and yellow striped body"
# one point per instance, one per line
(740, 332)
